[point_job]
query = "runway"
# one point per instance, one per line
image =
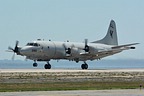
(69, 70)
(126, 92)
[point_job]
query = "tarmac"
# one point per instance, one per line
(125, 92)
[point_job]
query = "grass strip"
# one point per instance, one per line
(11, 87)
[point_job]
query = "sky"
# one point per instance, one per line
(73, 20)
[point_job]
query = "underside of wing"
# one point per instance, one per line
(100, 54)
(103, 54)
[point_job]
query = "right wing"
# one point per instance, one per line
(125, 47)
(104, 53)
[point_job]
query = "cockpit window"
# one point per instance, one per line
(33, 44)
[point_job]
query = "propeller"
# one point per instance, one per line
(15, 50)
(68, 50)
(86, 46)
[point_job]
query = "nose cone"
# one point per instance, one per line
(26, 50)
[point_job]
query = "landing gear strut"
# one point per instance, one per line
(84, 66)
(35, 64)
(47, 66)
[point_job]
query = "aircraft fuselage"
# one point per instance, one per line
(46, 50)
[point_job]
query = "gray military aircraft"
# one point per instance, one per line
(41, 50)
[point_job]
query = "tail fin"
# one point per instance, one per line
(111, 36)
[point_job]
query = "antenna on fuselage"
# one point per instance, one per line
(38, 39)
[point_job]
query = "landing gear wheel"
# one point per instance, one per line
(35, 64)
(84, 66)
(47, 66)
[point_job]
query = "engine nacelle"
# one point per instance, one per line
(92, 50)
(75, 52)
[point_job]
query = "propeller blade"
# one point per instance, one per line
(26, 58)
(65, 46)
(86, 45)
(13, 57)
(10, 48)
(86, 42)
(16, 47)
(17, 42)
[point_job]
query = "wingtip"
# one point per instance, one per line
(136, 43)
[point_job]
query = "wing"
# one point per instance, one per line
(100, 54)
(104, 53)
(125, 47)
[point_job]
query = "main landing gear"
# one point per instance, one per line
(46, 66)
(84, 66)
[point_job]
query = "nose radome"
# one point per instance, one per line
(25, 50)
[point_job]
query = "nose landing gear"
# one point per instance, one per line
(84, 66)
(35, 64)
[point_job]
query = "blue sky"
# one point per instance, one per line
(73, 20)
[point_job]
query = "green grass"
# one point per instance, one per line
(90, 85)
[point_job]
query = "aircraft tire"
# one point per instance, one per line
(35, 64)
(84, 66)
(47, 66)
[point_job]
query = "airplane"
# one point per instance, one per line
(41, 50)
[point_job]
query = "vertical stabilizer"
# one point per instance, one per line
(111, 36)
